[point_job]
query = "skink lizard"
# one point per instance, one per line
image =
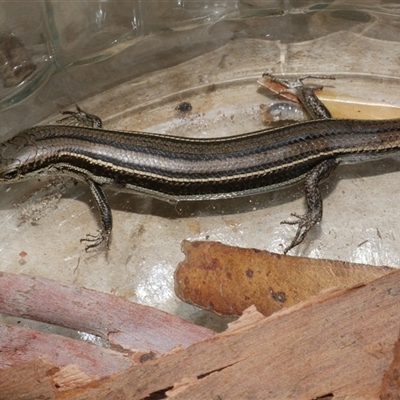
(178, 168)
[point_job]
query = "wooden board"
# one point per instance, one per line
(339, 342)
(123, 323)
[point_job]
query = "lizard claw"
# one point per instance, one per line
(97, 240)
(304, 224)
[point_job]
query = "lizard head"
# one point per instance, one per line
(15, 156)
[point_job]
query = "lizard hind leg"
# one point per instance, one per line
(313, 199)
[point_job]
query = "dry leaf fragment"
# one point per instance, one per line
(227, 279)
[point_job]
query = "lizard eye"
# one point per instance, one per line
(9, 175)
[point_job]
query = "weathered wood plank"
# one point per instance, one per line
(121, 322)
(19, 345)
(338, 342)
